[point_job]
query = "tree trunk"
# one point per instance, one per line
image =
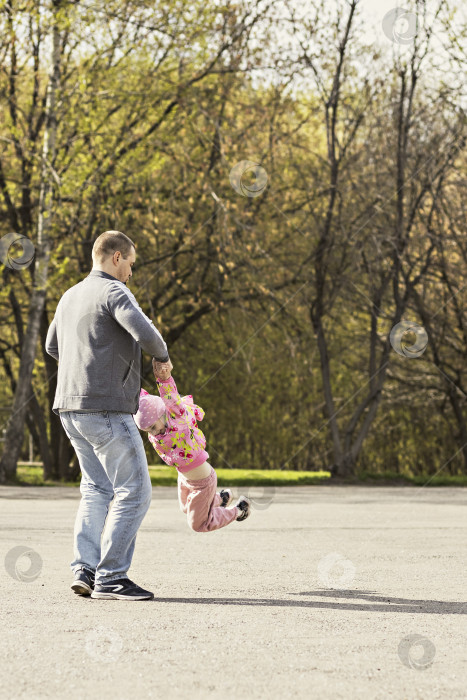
(328, 396)
(345, 467)
(23, 393)
(40, 426)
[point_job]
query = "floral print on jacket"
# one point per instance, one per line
(182, 445)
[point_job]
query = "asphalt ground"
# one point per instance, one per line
(324, 592)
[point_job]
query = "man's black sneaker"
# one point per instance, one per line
(121, 589)
(84, 582)
(226, 498)
(243, 504)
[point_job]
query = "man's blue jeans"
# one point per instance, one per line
(113, 466)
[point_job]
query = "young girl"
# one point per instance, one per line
(172, 423)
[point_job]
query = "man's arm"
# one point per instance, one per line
(127, 312)
(51, 343)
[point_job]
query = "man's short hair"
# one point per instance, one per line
(110, 241)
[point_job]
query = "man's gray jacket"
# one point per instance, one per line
(97, 335)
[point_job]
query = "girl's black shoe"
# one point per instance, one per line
(226, 498)
(244, 505)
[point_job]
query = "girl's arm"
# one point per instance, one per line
(170, 396)
(175, 403)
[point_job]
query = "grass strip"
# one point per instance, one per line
(167, 476)
(31, 475)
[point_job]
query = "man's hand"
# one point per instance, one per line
(162, 370)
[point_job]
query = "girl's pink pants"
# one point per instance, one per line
(200, 502)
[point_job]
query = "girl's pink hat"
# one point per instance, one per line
(151, 408)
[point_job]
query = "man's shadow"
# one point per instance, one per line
(376, 603)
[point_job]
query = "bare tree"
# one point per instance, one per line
(366, 235)
(14, 433)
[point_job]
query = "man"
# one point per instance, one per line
(97, 335)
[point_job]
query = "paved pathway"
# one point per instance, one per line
(324, 592)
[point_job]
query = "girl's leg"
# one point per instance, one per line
(202, 513)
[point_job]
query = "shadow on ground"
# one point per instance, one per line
(376, 603)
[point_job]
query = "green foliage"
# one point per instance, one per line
(157, 104)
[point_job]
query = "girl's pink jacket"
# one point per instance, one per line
(182, 445)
